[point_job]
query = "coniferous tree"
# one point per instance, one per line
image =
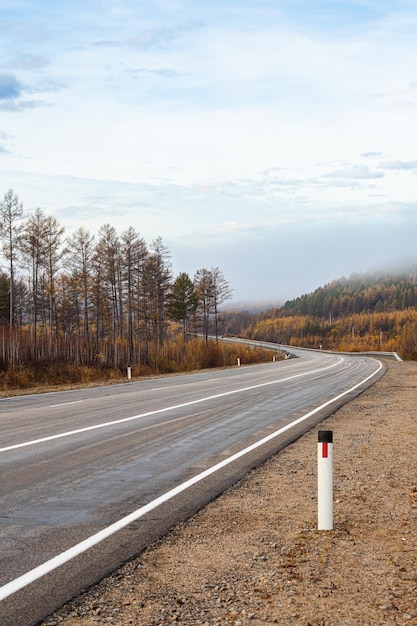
(183, 301)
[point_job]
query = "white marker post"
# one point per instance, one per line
(325, 480)
(129, 373)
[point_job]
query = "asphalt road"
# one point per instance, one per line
(76, 463)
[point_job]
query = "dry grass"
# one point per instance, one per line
(46, 376)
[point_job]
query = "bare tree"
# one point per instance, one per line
(79, 260)
(108, 287)
(34, 252)
(54, 253)
(221, 293)
(203, 281)
(158, 279)
(11, 215)
(212, 290)
(134, 252)
(64, 292)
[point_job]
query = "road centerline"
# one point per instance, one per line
(53, 406)
(131, 418)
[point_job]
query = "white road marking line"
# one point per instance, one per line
(26, 579)
(52, 406)
(165, 410)
(186, 384)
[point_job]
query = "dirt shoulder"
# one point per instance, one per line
(254, 555)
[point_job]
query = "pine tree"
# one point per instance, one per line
(183, 301)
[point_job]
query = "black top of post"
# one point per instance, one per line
(325, 436)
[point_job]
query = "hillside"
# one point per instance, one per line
(361, 293)
(363, 312)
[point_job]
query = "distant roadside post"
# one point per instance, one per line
(325, 480)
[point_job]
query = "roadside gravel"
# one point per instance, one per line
(254, 556)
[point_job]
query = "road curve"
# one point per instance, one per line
(90, 477)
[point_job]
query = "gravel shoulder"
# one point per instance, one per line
(255, 556)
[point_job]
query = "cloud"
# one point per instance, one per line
(12, 91)
(157, 37)
(257, 138)
(163, 72)
(107, 43)
(98, 209)
(352, 176)
(22, 105)
(10, 88)
(354, 172)
(47, 86)
(399, 165)
(4, 138)
(28, 62)
(371, 155)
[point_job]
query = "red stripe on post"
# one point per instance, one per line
(324, 450)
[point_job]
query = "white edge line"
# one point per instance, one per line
(79, 548)
(79, 431)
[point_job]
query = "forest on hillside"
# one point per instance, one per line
(109, 301)
(364, 312)
(361, 293)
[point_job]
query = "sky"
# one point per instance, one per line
(276, 140)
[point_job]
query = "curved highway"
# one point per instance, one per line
(90, 477)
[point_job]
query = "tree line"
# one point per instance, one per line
(109, 299)
(361, 293)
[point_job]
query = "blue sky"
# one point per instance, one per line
(276, 140)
